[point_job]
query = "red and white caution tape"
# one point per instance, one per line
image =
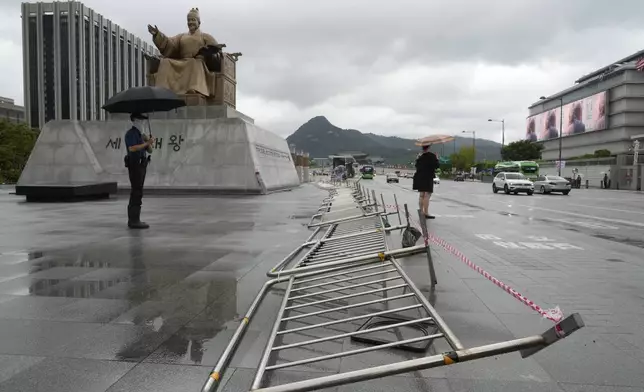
(554, 314)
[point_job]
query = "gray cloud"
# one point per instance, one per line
(406, 67)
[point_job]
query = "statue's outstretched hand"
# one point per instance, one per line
(154, 30)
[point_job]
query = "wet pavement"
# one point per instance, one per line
(86, 305)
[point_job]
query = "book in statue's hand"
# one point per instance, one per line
(210, 50)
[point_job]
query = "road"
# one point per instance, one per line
(582, 252)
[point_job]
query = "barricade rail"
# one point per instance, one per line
(349, 284)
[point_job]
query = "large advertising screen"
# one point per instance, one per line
(584, 115)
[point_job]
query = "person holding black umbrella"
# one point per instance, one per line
(136, 161)
(134, 101)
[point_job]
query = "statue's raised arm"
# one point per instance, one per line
(168, 46)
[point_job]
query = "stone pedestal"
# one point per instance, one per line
(199, 152)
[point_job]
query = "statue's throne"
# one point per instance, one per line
(221, 77)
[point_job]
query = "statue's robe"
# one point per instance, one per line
(179, 70)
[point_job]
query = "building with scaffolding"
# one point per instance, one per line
(74, 59)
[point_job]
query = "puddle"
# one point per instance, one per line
(627, 241)
(616, 260)
(474, 206)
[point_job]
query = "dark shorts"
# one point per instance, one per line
(424, 186)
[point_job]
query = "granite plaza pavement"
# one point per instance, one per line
(87, 305)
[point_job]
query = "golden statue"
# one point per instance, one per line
(183, 67)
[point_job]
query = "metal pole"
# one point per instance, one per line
(374, 257)
(560, 132)
(397, 209)
(503, 133)
(297, 250)
(474, 145)
(267, 351)
(430, 262)
(428, 362)
(217, 373)
(375, 200)
(384, 207)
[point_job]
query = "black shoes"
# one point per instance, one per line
(138, 225)
(430, 217)
(134, 218)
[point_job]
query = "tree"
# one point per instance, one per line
(522, 150)
(602, 153)
(463, 159)
(16, 143)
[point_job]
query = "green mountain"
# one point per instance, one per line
(320, 139)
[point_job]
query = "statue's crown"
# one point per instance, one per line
(194, 11)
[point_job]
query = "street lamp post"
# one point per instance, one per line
(560, 130)
(502, 121)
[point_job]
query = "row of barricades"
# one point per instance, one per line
(347, 295)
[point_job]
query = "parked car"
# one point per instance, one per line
(548, 184)
(512, 183)
(392, 177)
(437, 180)
(459, 177)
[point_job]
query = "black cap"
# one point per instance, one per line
(137, 116)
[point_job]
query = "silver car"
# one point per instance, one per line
(548, 184)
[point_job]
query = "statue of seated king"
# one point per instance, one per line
(193, 64)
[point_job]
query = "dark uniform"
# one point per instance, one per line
(137, 163)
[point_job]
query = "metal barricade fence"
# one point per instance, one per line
(349, 284)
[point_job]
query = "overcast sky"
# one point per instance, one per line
(405, 67)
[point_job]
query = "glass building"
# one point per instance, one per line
(74, 59)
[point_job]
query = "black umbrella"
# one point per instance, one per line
(146, 99)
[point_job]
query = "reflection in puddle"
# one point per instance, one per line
(179, 312)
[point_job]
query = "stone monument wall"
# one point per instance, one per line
(223, 155)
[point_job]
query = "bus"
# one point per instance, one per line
(367, 172)
(529, 169)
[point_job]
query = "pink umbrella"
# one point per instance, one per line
(434, 139)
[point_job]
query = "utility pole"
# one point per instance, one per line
(560, 131)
